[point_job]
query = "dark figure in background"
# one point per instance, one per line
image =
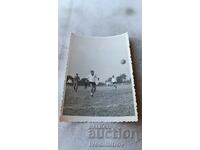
(75, 82)
(86, 83)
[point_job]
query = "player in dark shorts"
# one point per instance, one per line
(92, 78)
(75, 82)
(93, 89)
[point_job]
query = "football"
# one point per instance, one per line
(123, 61)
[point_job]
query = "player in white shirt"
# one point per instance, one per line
(114, 81)
(92, 78)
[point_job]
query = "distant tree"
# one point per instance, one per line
(121, 78)
(101, 84)
(109, 79)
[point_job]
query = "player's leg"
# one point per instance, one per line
(91, 91)
(74, 85)
(76, 89)
(94, 87)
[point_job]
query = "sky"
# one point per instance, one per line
(101, 54)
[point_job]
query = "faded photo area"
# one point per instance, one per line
(99, 77)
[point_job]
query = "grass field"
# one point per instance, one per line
(107, 101)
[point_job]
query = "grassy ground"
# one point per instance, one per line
(107, 101)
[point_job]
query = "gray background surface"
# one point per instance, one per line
(99, 18)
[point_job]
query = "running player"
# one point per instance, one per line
(92, 80)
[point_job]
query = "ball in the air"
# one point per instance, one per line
(123, 61)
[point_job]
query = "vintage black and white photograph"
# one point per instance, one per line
(99, 83)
